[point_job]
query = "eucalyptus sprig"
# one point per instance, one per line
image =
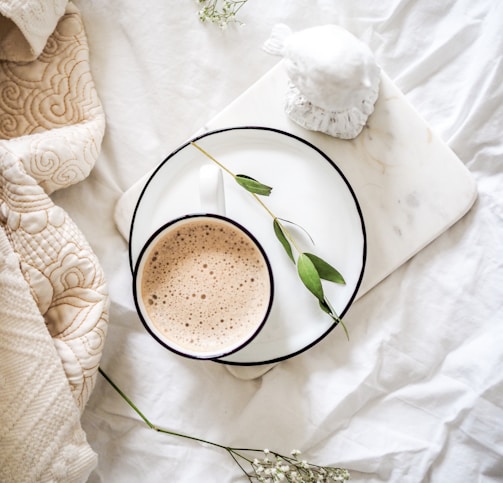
(220, 12)
(310, 268)
(261, 465)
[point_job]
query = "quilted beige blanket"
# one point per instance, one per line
(53, 295)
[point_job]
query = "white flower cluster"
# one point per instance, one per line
(220, 12)
(274, 468)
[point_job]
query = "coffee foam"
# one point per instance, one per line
(205, 285)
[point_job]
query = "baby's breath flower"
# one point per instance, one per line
(220, 12)
(274, 467)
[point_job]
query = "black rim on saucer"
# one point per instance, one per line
(348, 186)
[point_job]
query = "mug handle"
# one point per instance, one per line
(211, 189)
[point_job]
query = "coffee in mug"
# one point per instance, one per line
(203, 286)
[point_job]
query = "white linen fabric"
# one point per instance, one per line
(416, 395)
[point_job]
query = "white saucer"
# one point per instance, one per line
(308, 189)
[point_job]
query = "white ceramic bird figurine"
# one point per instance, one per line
(334, 78)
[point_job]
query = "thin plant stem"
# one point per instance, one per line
(277, 220)
(237, 454)
(266, 208)
(147, 421)
(208, 155)
(133, 406)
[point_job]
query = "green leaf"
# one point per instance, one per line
(339, 320)
(325, 306)
(309, 276)
(278, 230)
(325, 270)
(300, 227)
(252, 185)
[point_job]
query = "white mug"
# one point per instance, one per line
(203, 284)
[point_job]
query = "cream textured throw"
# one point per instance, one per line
(26, 25)
(53, 295)
(41, 437)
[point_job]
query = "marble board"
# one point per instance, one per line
(410, 185)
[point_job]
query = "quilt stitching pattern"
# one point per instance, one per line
(51, 128)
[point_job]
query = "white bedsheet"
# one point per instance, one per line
(417, 393)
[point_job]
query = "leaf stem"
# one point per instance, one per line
(208, 155)
(289, 235)
(266, 208)
(277, 219)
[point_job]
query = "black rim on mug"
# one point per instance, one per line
(140, 306)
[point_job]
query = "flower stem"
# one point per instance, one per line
(147, 421)
(235, 453)
(133, 406)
